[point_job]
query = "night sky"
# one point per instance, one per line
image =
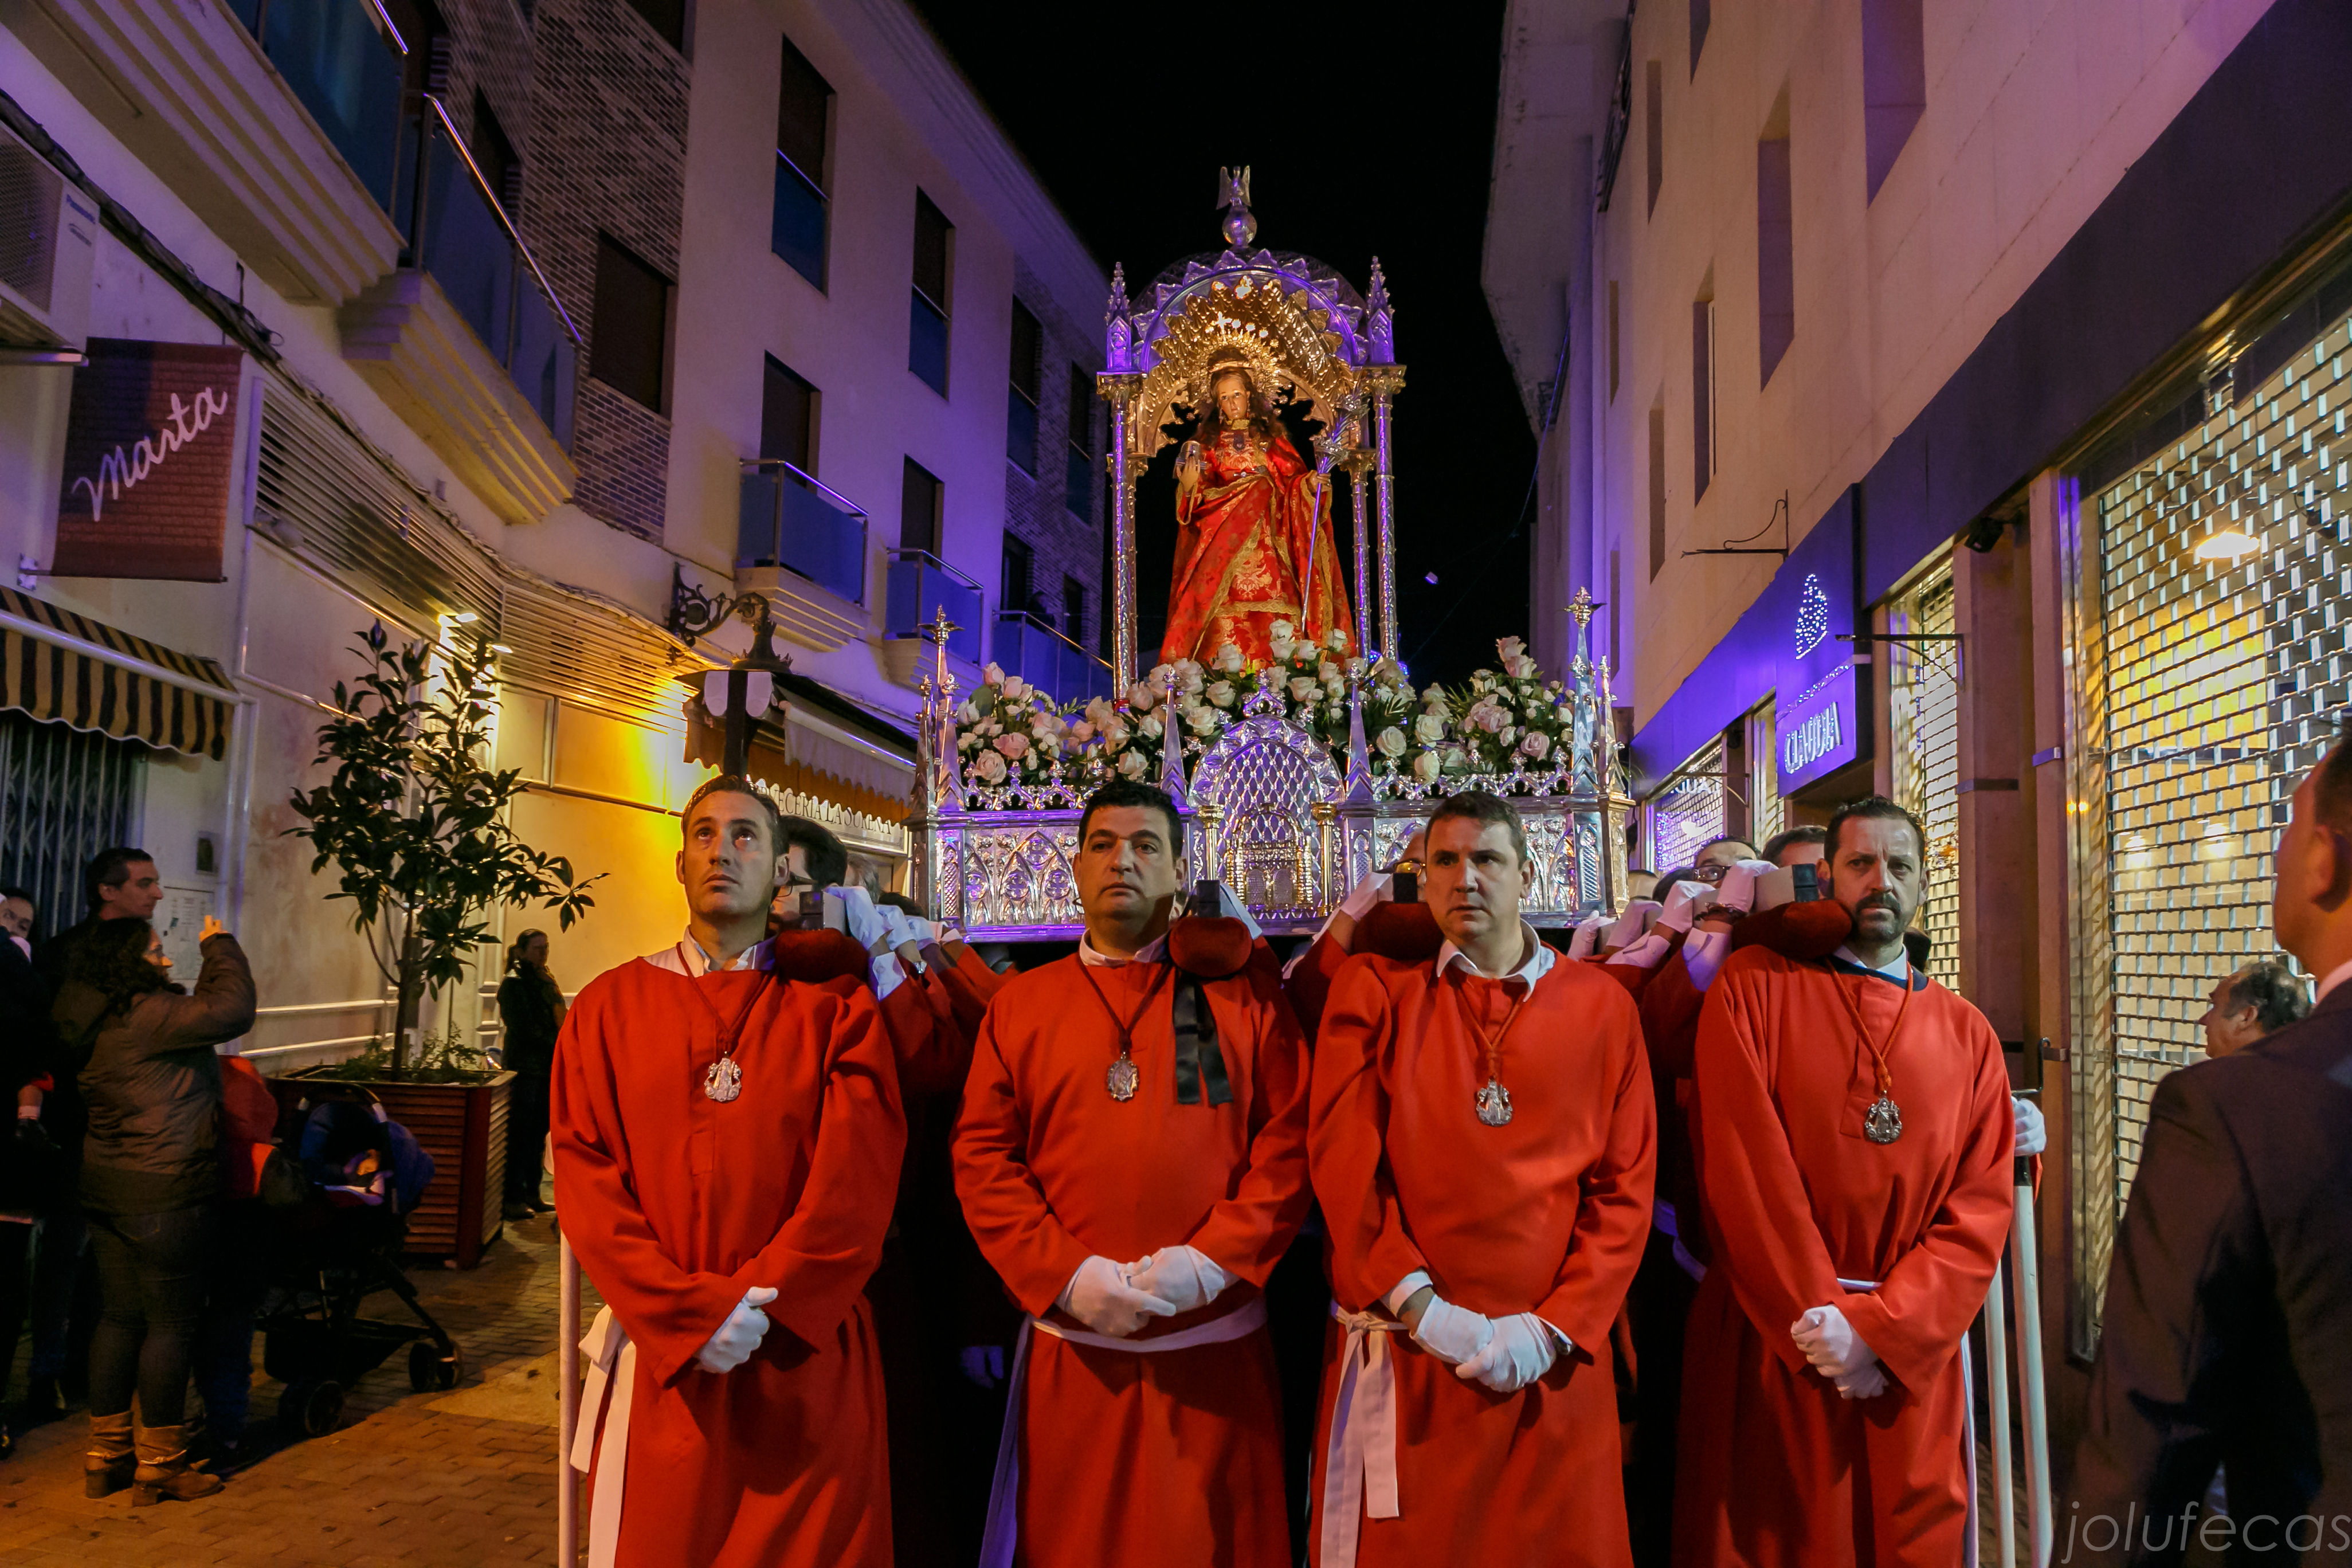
(1369, 130)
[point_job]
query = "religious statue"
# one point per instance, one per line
(1253, 529)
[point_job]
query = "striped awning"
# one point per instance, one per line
(153, 694)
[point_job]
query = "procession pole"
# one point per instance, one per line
(2026, 1286)
(1119, 390)
(2004, 1492)
(1384, 504)
(567, 1395)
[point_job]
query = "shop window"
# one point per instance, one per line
(1021, 400)
(1776, 261)
(1079, 461)
(804, 142)
(1654, 112)
(1893, 83)
(921, 506)
(1923, 707)
(1766, 813)
(628, 332)
(2210, 660)
(66, 794)
(1012, 585)
(927, 330)
(1687, 813)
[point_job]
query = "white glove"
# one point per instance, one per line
(733, 1345)
(1181, 1276)
(1703, 953)
(984, 1365)
(858, 917)
(1738, 890)
(1646, 954)
(1099, 1297)
(925, 932)
(1451, 1333)
(1522, 1351)
(1685, 902)
(1830, 1342)
(1380, 887)
(1866, 1383)
(2032, 1132)
(1587, 939)
(1631, 924)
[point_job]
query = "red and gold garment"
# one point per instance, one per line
(1241, 537)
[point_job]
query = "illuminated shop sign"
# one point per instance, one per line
(1821, 722)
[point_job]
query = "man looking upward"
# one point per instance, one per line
(727, 1148)
(1133, 1184)
(1481, 1142)
(1850, 1124)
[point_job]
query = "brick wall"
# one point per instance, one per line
(1036, 511)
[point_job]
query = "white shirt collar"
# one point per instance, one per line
(1537, 964)
(1153, 951)
(688, 958)
(2331, 980)
(1898, 972)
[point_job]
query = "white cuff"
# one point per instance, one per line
(889, 975)
(1405, 1286)
(1702, 955)
(1380, 887)
(1566, 1344)
(1213, 1280)
(1646, 954)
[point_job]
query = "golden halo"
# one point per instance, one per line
(1237, 345)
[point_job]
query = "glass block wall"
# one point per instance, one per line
(1688, 812)
(2204, 688)
(1766, 813)
(1923, 711)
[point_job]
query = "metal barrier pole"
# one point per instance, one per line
(2004, 1492)
(2025, 1283)
(567, 1358)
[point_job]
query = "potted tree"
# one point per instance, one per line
(416, 821)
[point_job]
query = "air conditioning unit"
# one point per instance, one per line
(48, 242)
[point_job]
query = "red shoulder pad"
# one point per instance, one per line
(817, 956)
(1807, 930)
(1211, 946)
(1406, 933)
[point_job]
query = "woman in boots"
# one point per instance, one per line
(531, 1006)
(149, 1184)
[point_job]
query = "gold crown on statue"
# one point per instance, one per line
(1230, 345)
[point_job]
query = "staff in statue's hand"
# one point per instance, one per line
(1188, 463)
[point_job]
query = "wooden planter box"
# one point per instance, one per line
(464, 1126)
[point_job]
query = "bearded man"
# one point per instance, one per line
(1852, 1131)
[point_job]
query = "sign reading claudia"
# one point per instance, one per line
(150, 442)
(1818, 720)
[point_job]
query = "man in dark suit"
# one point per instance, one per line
(2228, 1336)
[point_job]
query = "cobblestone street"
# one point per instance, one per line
(464, 1477)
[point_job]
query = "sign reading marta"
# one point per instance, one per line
(150, 442)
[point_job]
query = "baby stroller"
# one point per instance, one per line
(340, 1246)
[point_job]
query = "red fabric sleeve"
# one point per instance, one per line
(1309, 984)
(1612, 1216)
(1917, 1317)
(931, 1051)
(1759, 1221)
(1670, 1009)
(670, 1313)
(970, 985)
(1014, 1227)
(1247, 1233)
(1347, 1141)
(821, 1260)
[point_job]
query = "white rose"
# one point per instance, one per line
(1079, 733)
(1429, 729)
(1328, 673)
(989, 767)
(1390, 742)
(1281, 631)
(1221, 694)
(1229, 659)
(1425, 766)
(1130, 764)
(1303, 687)
(1114, 734)
(1151, 728)
(992, 673)
(1338, 641)
(969, 713)
(967, 740)
(1281, 649)
(1202, 719)
(1536, 745)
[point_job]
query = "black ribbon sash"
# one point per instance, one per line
(1198, 1059)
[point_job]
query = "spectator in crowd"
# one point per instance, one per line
(27, 1049)
(1641, 882)
(118, 884)
(531, 1006)
(17, 916)
(1716, 856)
(2223, 1340)
(813, 858)
(2244, 1007)
(151, 1181)
(1798, 847)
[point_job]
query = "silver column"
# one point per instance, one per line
(1360, 512)
(1119, 390)
(1384, 506)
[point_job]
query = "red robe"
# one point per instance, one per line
(679, 1204)
(1172, 1458)
(1547, 1213)
(1776, 1468)
(1239, 542)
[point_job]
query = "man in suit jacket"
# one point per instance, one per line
(2228, 1337)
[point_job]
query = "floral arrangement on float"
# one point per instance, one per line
(1512, 723)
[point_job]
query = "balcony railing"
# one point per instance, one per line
(344, 59)
(1032, 648)
(791, 521)
(919, 586)
(470, 248)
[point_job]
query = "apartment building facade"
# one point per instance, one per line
(560, 324)
(1943, 401)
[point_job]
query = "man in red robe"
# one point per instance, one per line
(1131, 1157)
(727, 1148)
(1481, 1142)
(1851, 1127)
